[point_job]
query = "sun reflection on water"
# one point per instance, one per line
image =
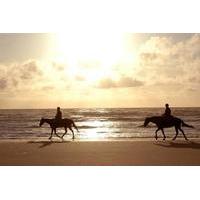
(100, 130)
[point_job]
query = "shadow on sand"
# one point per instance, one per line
(47, 143)
(179, 144)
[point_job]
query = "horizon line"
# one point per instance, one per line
(98, 107)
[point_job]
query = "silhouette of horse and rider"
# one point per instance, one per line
(167, 121)
(58, 122)
(164, 121)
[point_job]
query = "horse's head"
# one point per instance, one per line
(146, 121)
(42, 121)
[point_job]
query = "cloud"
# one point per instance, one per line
(3, 83)
(159, 68)
(149, 57)
(29, 70)
(17, 76)
(107, 83)
(32, 77)
(163, 60)
(48, 88)
(59, 66)
(14, 82)
(129, 82)
(123, 82)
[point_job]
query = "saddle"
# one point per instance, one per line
(58, 121)
(167, 118)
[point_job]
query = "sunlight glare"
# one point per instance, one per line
(91, 55)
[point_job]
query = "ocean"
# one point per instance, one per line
(94, 123)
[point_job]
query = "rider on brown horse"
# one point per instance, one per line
(58, 116)
(167, 111)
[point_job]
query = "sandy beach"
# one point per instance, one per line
(99, 153)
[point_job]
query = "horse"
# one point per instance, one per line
(66, 123)
(167, 122)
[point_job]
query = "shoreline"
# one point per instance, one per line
(133, 139)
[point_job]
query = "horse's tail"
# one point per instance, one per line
(74, 125)
(186, 125)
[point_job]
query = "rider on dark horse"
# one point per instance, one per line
(167, 115)
(167, 111)
(58, 116)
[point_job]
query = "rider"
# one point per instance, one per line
(167, 111)
(58, 116)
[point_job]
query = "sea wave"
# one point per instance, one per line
(97, 122)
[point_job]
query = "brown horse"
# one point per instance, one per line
(167, 122)
(66, 123)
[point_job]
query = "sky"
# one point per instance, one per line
(99, 69)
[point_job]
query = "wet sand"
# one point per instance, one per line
(99, 153)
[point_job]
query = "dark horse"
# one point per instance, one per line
(66, 123)
(166, 122)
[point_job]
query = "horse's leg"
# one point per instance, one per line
(72, 132)
(65, 129)
(56, 133)
(65, 132)
(156, 136)
(163, 134)
(176, 133)
(51, 134)
(183, 133)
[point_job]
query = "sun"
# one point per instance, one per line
(90, 45)
(90, 54)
